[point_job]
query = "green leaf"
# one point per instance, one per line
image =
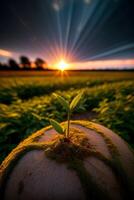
(63, 102)
(57, 126)
(75, 101)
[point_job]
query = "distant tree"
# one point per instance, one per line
(1, 67)
(25, 62)
(4, 66)
(40, 64)
(13, 65)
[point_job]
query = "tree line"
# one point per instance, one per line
(24, 64)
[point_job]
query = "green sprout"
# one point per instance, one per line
(69, 108)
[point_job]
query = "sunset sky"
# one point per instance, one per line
(86, 33)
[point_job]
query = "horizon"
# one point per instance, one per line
(87, 65)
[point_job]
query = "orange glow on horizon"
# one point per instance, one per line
(63, 65)
(102, 64)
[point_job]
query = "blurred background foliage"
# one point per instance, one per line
(26, 107)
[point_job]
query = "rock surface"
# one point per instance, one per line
(35, 177)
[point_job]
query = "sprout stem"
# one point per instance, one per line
(68, 124)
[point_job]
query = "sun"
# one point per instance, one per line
(62, 65)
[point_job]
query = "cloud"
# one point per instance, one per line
(57, 5)
(5, 53)
(87, 1)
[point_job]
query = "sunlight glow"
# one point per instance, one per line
(62, 65)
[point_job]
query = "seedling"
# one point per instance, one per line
(69, 108)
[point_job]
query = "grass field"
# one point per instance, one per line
(27, 103)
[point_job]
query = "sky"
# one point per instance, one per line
(79, 31)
